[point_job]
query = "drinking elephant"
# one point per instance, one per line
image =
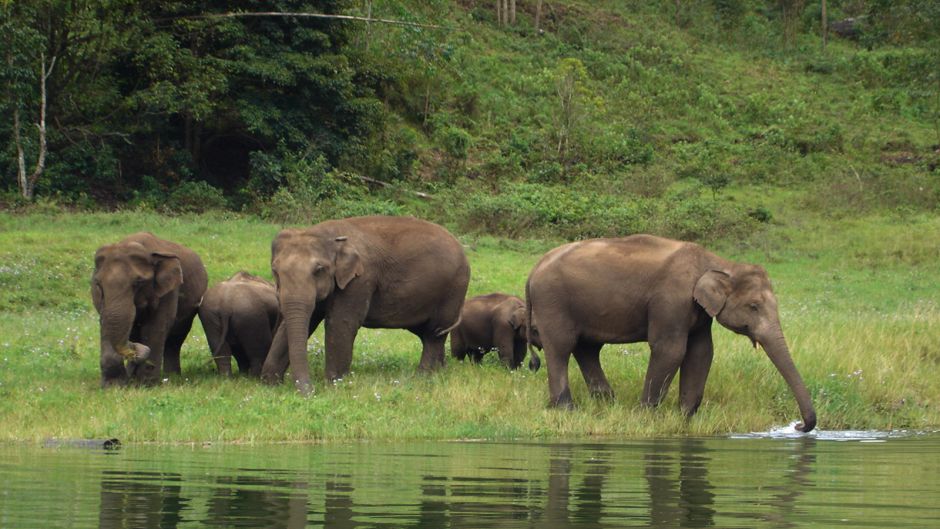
(493, 321)
(374, 272)
(239, 316)
(643, 288)
(146, 291)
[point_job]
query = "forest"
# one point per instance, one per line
(697, 119)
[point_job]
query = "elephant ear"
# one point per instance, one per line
(348, 263)
(167, 273)
(517, 319)
(712, 291)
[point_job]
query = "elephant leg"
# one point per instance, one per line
(218, 347)
(432, 351)
(223, 360)
(588, 356)
(174, 343)
(277, 360)
(694, 370)
(113, 372)
(505, 346)
(340, 337)
(476, 355)
(666, 354)
(458, 349)
(254, 345)
(558, 347)
(148, 372)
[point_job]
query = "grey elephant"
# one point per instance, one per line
(374, 272)
(146, 291)
(239, 316)
(649, 289)
(493, 321)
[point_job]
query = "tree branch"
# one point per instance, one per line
(304, 15)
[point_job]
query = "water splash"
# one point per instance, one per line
(790, 432)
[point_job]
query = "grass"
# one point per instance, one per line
(859, 303)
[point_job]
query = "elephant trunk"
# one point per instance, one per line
(776, 348)
(297, 315)
(116, 323)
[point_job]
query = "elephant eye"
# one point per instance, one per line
(754, 306)
(319, 268)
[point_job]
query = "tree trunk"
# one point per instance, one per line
(499, 12)
(678, 6)
(28, 184)
(825, 25)
(538, 15)
(512, 12)
(20, 156)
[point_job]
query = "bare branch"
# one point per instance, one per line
(306, 15)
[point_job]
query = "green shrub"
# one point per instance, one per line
(195, 197)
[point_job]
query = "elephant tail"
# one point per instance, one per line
(530, 330)
(443, 332)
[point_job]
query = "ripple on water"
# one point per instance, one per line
(863, 436)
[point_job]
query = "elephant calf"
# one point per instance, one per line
(239, 316)
(146, 291)
(493, 321)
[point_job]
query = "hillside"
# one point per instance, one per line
(614, 117)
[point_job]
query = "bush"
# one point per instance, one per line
(195, 197)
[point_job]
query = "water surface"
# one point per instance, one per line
(775, 479)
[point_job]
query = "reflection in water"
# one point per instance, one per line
(140, 499)
(257, 501)
(684, 499)
(694, 483)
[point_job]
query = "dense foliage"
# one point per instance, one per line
(600, 121)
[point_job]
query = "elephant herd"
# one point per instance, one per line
(406, 273)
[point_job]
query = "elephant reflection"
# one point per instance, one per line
(683, 500)
(258, 501)
(798, 479)
(140, 499)
(584, 505)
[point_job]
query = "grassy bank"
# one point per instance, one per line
(859, 303)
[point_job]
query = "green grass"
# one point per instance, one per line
(859, 303)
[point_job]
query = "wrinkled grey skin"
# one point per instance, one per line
(239, 316)
(146, 291)
(493, 321)
(374, 272)
(642, 288)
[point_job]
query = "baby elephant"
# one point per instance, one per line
(493, 321)
(239, 316)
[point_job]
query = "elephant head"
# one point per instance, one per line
(741, 299)
(128, 281)
(517, 320)
(307, 268)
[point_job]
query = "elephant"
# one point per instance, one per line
(146, 291)
(239, 316)
(642, 288)
(373, 272)
(493, 321)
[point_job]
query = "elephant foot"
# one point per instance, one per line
(113, 382)
(603, 394)
(304, 387)
(563, 401)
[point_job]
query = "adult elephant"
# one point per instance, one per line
(239, 316)
(493, 321)
(146, 291)
(643, 288)
(374, 272)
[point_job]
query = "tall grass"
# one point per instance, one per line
(859, 304)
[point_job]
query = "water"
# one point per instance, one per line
(770, 479)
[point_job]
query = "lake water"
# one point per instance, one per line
(777, 479)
